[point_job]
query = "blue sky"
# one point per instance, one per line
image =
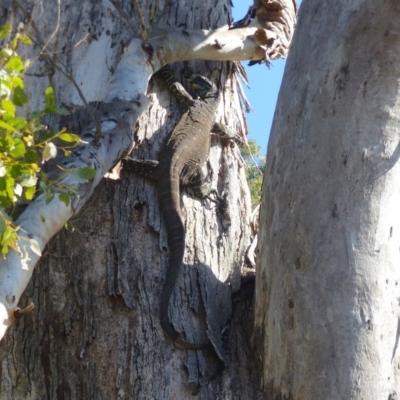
(264, 88)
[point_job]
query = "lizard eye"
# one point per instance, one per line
(201, 85)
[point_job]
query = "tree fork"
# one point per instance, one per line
(125, 97)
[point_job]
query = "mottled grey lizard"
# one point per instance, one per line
(180, 163)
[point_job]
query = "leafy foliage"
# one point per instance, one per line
(25, 143)
(254, 168)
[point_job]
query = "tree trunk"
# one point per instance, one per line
(327, 293)
(95, 330)
(106, 126)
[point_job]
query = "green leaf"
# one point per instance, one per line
(62, 111)
(6, 235)
(31, 157)
(50, 100)
(35, 116)
(49, 195)
(6, 126)
(43, 179)
(4, 250)
(84, 174)
(9, 239)
(18, 123)
(50, 151)
(15, 64)
(17, 169)
(20, 98)
(3, 224)
(33, 167)
(4, 31)
(30, 192)
(16, 81)
(3, 185)
(10, 188)
(24, 174)
(5, 142)
(69, 137)
(25, 39)
(5, 201)
(18, 148)
(64, 197)
(8, 107)
(44, 135)
(69, 227)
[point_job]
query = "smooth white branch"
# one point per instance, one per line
(166, 46)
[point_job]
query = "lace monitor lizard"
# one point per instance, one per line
(180, 163)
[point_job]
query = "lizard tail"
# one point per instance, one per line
(169, 203)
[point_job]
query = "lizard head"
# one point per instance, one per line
(203, 87)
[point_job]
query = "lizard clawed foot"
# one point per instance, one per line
(227, 133)
(18, 313)
(238, 140)
(222, 204)
(217, 198)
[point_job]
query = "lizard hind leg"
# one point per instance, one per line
(196, 179)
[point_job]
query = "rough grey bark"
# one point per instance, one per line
(327, 310)
(95, 331)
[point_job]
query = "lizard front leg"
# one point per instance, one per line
(180, 93)
(225, 132)
(146, 168)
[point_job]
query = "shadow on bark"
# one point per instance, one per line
(96, 319)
